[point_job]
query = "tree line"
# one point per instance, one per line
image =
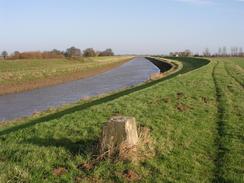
(71, 52)
(225, 52)
(222, 52)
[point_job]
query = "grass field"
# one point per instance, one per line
(19, 75)
(196, 123)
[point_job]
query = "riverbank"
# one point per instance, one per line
(23, 104)
(181, 119)
(195, 121)
(24, 75)
(165, 68)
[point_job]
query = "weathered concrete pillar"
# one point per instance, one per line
(118, 131)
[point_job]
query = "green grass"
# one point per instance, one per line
(235, 68)
(20, 71)
(232, 60)
(230, 153)
(195, 120)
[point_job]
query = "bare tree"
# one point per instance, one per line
(16, 55)
(232, 51)
(187, 53)
(89, 52)
(73, 52)
(220, 52)
(4, 54)
(56, 52)
(236, 51)
(240, 52)
(206, 53)
(107, 52)
(224, 51)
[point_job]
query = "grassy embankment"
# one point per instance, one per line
(196, 121)
(20, 75)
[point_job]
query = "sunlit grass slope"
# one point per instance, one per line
(196, 122)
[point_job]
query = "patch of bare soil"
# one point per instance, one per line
(15, 88)
(182, 107)
(205, 100)
(166, 99)
(180, 95)
(87, 166)
(59, 171)
(131, 175)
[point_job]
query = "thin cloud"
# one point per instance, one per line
(198, 1)
(205, 1)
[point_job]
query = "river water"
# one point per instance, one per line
(18, 105)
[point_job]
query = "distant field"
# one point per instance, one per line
(19, 75)
(234, 67)
(196, 122)
(234, 60)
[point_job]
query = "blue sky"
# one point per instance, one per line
(127, 26)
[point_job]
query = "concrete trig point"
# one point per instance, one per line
(118, 131)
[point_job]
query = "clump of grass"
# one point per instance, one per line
(143, 150)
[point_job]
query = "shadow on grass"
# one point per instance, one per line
(81, 147)
(189, 64)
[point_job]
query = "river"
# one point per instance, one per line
(23, 104)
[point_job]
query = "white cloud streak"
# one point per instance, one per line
(201, 2)
(206, 2)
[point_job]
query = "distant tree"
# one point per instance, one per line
(31, 55)
(220, 52)
(53, 54)
(224, 51)
(234, 51)
(98, 53)
(240, 52)
(56, 52)
(107, 52)
(16, 55)
(206, 53)
(4, 54)
(89, 52)
(196, 55)
(187, 53)
(73, 52)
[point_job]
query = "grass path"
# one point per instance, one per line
(221, 115)
(235, 72)
(229, 91)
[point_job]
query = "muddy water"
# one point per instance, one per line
(26, 103)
